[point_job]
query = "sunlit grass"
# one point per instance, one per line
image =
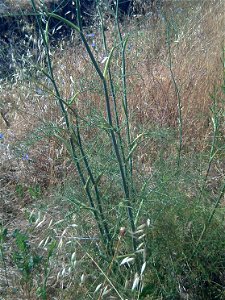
(50, 242)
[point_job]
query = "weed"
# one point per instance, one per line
(26, 261)
(3, 236)
(92, 127)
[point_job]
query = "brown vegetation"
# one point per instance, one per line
(191, 62)
(196, 65)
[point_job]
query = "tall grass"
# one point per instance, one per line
(126, 175)
(105, 212)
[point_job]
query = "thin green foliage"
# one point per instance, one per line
(3, 236)
(99, 215)
(217, 116)
(26, 260)
(122, 221)
(76, 138)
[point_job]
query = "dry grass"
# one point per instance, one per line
(30, 105)
(196, 58)
(196, 64)
(22, 6)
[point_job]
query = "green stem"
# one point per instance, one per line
(109, 117)
(124, 86)
(206, 226)
(118, 131)
(98, 198)
(66, 117)
(215, 124)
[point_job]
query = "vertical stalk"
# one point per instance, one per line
(99, 216)
(110, 122)
(113, 94)
(124, 86)
(216, 114)
(215, 124)
(179, 105)
(98, 198)
(113, 137)
(216, 119)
